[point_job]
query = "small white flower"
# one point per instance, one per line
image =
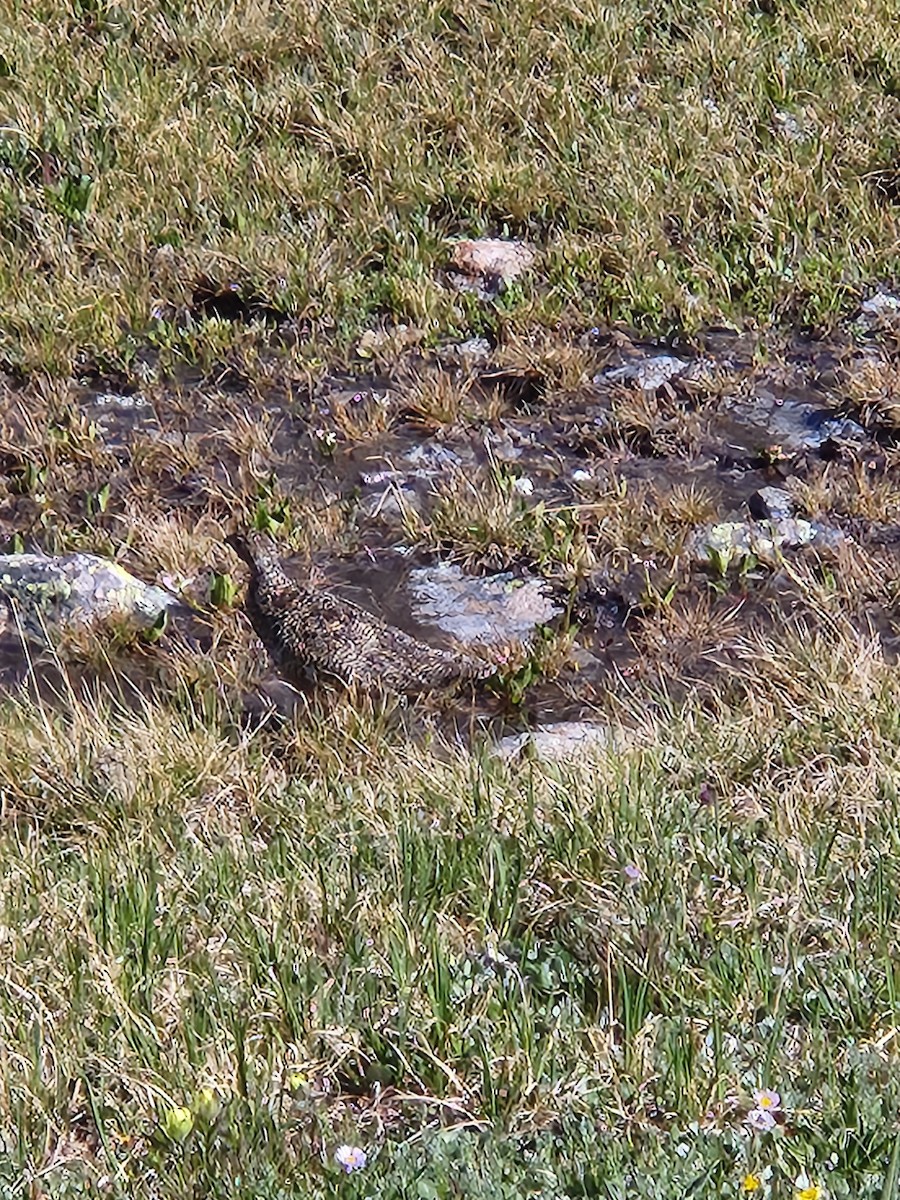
(350, 1158)
(523, 485)
(769, 1101)
(761, 1120)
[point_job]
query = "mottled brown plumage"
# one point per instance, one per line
(314, 636)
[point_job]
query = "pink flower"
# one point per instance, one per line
(761, 1120)
(350, 1158)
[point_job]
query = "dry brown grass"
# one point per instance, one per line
(329, 165)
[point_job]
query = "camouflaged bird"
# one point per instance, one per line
(317, 637)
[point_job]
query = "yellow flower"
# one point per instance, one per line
(178, 1123)
(751, 1183)
(207, 1104)
(813, 1192)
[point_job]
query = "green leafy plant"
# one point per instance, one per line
(223, 591)
(71, 196)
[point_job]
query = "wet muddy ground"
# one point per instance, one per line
(550, 504)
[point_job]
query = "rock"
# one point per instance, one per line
(505, 445)
(474, 351)
(566, 741)
(492, 256)
(835, 430)
(771, 503)
(486, 265)
(392, 504)
(648, 373)
(791, 127)
(732, 541)
(76, 591)
(375, 343)
(651, 374)
(425, 462)
(880, 309)
(490, 609)
(391, 494)
(792, 424)
(381, 478)
(431, 458)
(124, 403)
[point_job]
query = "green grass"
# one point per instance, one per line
(673, 165)
(227, 949)
(442, 959)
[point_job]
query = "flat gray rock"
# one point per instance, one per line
(649, 374)
(794, 424)
(489, 609)
(566, 741)
(46, 593)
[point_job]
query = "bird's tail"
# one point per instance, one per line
(476, 670)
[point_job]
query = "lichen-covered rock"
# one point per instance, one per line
(490, 609)
(44, 594)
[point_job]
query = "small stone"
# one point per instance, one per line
(790, 127)
(771, 503)
(881, 307)
(430, 459)
(524, 486)
(379, 342)
(879, 312)
(393, 506)
(380, 478)
(650, 374)
(114, 400)
(474, 351)
(562, 742)
(492, 257)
